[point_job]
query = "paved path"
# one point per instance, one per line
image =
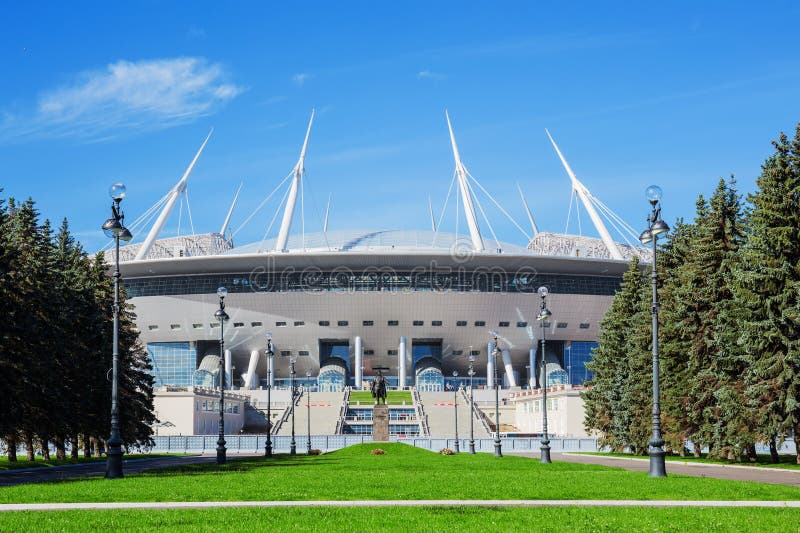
(398, 503)
(98, 468)
(734, 472)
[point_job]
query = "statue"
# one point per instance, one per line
(378, 389)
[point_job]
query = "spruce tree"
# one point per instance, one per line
(766, 285)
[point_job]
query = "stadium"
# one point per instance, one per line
(418, 306)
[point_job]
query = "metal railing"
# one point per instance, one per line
(477, 412)
(343, 412)
(421, 416)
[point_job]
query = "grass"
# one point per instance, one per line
(5, 464)
(763, 460)
(330, 520)
(403, 473)
(392, 398)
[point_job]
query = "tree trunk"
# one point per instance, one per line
(697, 450)
(773, 451)
(683, 448)
(61, 449)
(29, 452)
(11, 440)
(797, 442)
(73, 447)
(44, 443)
(751, 453)
(87, 446)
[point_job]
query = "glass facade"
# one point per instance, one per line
(430, 380)
(576, 355)
(331, 381)
(310, 280)
(173, 363)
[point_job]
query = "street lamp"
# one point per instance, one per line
(498, 452)
(270, 354)
(221, 316)
(455, 406)
(655, 227)
(308, 404)
(471, 404)
(544, 314)
(114, 228)
(292, 445)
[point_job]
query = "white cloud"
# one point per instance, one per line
(301, 78)
(428, 75)
(125, 97)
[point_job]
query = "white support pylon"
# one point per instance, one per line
(584, 194)
(288, 213)
(466, 195)
(230, 211)
(528, 211)
(176, 191)
(430, 209)
(327, 213)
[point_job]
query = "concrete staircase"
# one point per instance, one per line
(325, 411)
(439, 409)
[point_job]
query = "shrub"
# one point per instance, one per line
(447, 451)
(378, 451)
(315, 452)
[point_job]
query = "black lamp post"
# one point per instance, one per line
(270, 354)
(293, 444)
(308, 404)
(498, 452)
(221, 316)
(455, 407)
(655, 227)
(114, 228)
(471, 405)
(544, 314)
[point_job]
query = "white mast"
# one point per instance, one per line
(466, 196)
(584, 195)
(327, 212)
(230, 211)
(430, 209)
(528, 211)
(177, 190)
(288, 213)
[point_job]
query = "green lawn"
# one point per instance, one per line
(5, 464)
(395, 397)
(330, 520)
(403, 473)
(786, 461)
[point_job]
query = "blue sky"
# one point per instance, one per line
(678, 95)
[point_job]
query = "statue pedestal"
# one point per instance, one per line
(380, 424)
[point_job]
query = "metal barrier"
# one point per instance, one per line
(254, 444)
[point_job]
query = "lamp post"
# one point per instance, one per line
(114, 228)
(498, 452)
(471, 405)
(455, 407)
(222, 316)
(655, 227)
(293, 444)
(308, 404)
(544, 314)
(270, 354)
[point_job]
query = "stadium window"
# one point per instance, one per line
(475, 352)
(546, 324)
(458, 352)
(152, 327)
(280, 324)
(561, 325)
(197, 326)
(255, 324)
(584, 325)
(503, 324)
(214, 324)
(303, 353)
(174, 326)
(480, 323)
(299, 323)
(419, 322)
(324, 323)
(391, 352)
(367, 323)
(343, 323)
(369, 352)
(522, 324)
(238, 324)
(285, 353)
(436, 323)
(461, 323)
(393, 323)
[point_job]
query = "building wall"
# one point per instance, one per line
(195, 411)
(565, 411)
